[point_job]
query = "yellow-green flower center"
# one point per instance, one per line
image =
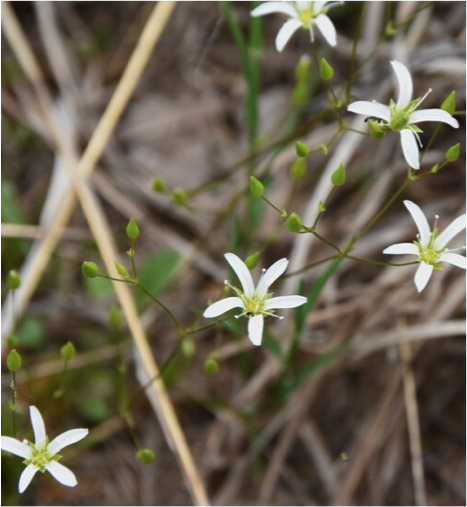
(429, 254)
(254, 304)
(399, 120)
(306, 16)
(40, 457)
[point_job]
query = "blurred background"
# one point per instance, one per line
(368, 406)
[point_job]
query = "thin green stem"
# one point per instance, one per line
(271, 204)
(13, 403)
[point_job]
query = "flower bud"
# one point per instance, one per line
(325, 70)
(303, 69)
(121, 270)
(180, 197)
(301, 149)
(453, 153)
(298, 169)
(132, 230)
(252, 260)
(90, 269)
(68, 351)
(158, 184)
(188, 347)
(449, 104)
(12, 341)
(13, 361)
(115, 319)
(300, 94)
(211, 367)
(323, 148)
(321, 207)
(377, 131)
(146, 456)
(338, 176)
(256, 187)
(13, 280)
(294, 223)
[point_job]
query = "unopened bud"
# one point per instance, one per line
(294, 223)
(338, 176)
(256, 187)
(453, 153)
(325, 70)
(252, 261)
(13, 361)
(68, 351)
(146, 456)
(13, 280)
(90, 269)
(132, 229)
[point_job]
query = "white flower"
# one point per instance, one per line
(42, 455)
(302, 15)
(401, 116)
(255, 302)
(430, 247)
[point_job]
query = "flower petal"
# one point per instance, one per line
(242, 272)
(319, 6)
(38, 427)
(410, 148)
(274, 7)
(285, 302)
(451, 230)
(433, 115)
(401, 249)
(222, 306)
(454, 259)
(16, 447)
(326, 27)
(255, 329)
(26, 477)
(287, 30)
(270, 276)
(404, 79)
(423, 275)
(62, 474)
(65, 439)
(420, 221)
(370, 109)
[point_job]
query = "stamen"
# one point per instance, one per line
(425, 96)
(417, 137)
(436, 222)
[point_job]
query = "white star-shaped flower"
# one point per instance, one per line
(401, 116)
(256, 303)
(42, 455)
(302, 15)
(430, 247)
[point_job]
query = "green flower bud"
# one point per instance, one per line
(325, 70)
(12, 341)
(211, 367)
(294, 223)
(303, 69)
(90, 269)
(323, 148)
(13, 280)
(132, 230)
(300, 94)
(449, 104)
(338, 176)
(188, 347)
(301, 149)
(180, 197)
(390, 31)
(453, 153)
(115, 319)
(321, 207)
(13, 361)
(377, 131)
(121, 270)
(252, 260)
(68, 351)
(256, 187)
(298, 169)
(158, 184)
(146, 456)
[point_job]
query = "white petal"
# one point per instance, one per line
(433, 115)
(274, 7)
(327, 29)
(16, 447)
(303, 6)
(404, 79)
(401, 249)
(420, 221)
(222, 306)
(255, 329)
(410, 148)
(454, 259)
(270, 276)
(26, 477)
(370, 109)
(451, 230)
(287, 30)
(38, 427)
(319, 6)
(423, 275)
(285, 302)
(242, 272)
(63, 474)
(65, 439)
